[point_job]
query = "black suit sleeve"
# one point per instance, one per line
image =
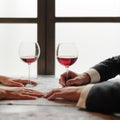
(108, 68)
(104, 97)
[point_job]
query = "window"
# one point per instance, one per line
(26, 19)
(89, 23)
(87, 8)
(18, 21)
(10, 37)
(94, 27)
(18, 8)
(95, 42)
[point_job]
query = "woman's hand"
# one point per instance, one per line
(16, 93)
(14, 81)
(68, 93)
(74, 79)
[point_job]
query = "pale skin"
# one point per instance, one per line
(16, 89)
(74, 79)
(69, 92)
(16, 93)
(14, 82)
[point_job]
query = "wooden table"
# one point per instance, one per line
(42, 109)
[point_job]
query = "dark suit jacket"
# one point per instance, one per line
(105, 96)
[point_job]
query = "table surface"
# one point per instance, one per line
(42, 109)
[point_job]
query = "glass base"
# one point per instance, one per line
(29, 85)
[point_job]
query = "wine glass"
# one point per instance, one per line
(67, 55)
(29, 52)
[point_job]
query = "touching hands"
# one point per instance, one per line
(16, 93)
(68, 93)
(14, 81)
(74, 79)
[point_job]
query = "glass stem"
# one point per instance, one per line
(67, 72)
(29, 74)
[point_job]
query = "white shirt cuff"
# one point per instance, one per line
(83, 96)
(94, 75)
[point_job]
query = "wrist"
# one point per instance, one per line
(86, 77)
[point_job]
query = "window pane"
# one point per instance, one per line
(10, 38)
(18, 8)
(70, 8)
(95, 42)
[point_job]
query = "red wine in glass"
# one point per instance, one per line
(67, 55)
(29, 52)
(67, 61)
(29, 60)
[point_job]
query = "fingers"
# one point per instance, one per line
(22, 93)
(55, 95)
(77, 80)
(33, 92)
(70, 82)
(51, 92)
(16, 84)
(68, 93)
(81, 79)
(73, 82)
(63, 80)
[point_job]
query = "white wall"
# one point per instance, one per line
(96, 41)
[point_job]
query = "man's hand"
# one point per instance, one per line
(74, 79)
(68, 93)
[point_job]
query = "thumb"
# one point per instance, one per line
(72, 82)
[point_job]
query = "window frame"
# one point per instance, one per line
(53, 20)
(46, 31)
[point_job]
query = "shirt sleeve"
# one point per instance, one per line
(94, 75)
(83, 96)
